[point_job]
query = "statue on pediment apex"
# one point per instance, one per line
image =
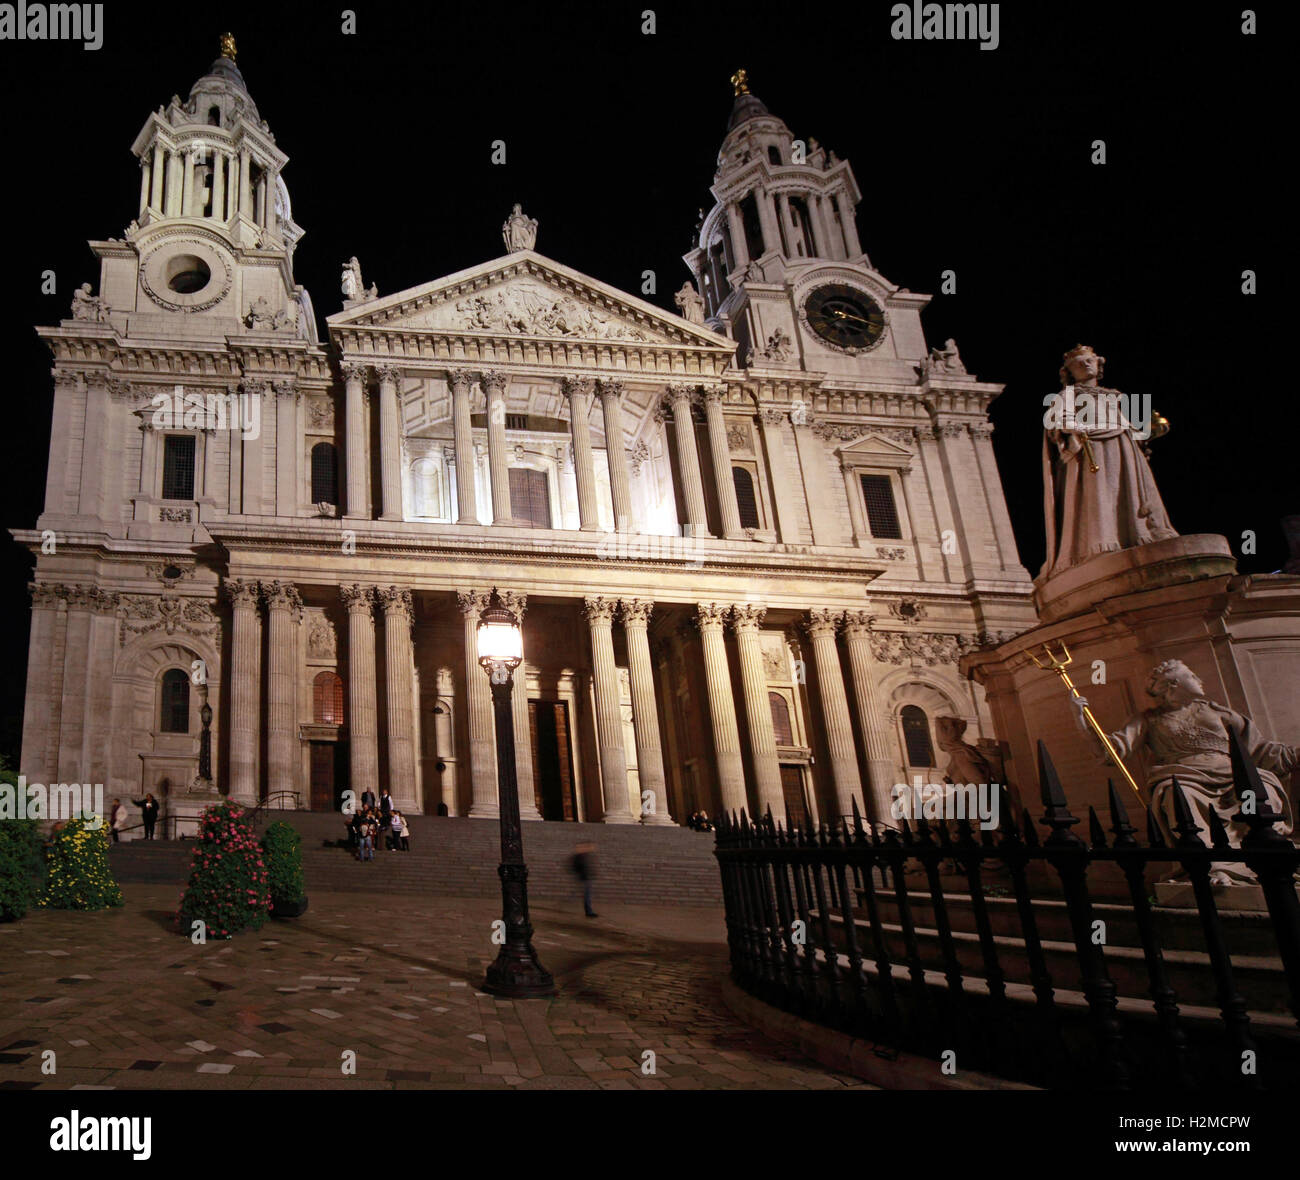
(519, 231)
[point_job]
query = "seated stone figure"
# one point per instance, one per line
(1186, 737)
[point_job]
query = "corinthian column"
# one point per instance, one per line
(363, 710)
(527, 787)
(609, 718)
(721, 450)
(881, 771)
(578, 391)
(758, 710)
(494, 387)
(245, 665)
(688, 461)
(357, 458)
(460, 380)
(482, 728)
(835, 711)
(390, 443)
(645, 717)
(400, 692)
(722, 707)
(283, 605)
(611, 394)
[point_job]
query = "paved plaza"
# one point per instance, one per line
(125, 1002)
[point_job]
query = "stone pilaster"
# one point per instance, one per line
(645, 716)
(284, 608)
(482, 728)
(36, 717)
(288, 447)
(880, 766)
(758, 711)
(363, 705)
(390, 445)
(688, 460)
(356, 460)
(821, 627)
(245, 666)
(609, 720)
(459, 382)
(578, 391)
(722, 707)
(72, 714)
(400, 668)
(611, 395)
(97, 735)
(721, 450)
(494, 389)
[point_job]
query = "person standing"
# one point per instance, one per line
(366, 847)
(149, 813)
(116, 819)
(584, 867)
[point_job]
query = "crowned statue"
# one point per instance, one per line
(1098, 491)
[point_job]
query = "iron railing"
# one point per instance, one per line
(827, 925)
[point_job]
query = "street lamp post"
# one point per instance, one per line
(516, 971)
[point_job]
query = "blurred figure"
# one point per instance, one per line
(116, 819)
(584, 868)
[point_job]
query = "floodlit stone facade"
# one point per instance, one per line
(750, 542)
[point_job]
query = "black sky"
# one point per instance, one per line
(969, 160)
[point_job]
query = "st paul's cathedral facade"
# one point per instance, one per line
(750, 540)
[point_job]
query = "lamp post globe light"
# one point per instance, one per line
(516, 971)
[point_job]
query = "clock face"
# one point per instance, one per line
(844, 317)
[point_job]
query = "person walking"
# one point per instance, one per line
(584, 868)
(149, 813)
(116, 819)
(399, 843)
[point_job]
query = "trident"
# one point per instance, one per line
(1059, 665)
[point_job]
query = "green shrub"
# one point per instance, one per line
(282, 849)
(228, 889)
(20, 864)
(77, 874)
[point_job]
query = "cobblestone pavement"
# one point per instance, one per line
(125, 1002)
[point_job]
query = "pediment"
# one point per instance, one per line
(527, 296)
(875, 448)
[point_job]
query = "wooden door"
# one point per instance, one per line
(792, 790)
(322, 776)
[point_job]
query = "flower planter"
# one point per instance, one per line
(289, 909)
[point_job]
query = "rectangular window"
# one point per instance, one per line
(516, 421)
(178, 467)
(530, 498)
(882, 514)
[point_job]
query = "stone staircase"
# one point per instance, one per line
(458, 858)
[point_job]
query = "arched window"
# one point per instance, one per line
(746, 500)
(916, 736)
(774, 154)
(781, 719)
(327, 699)
(174, 714)
(324, 474)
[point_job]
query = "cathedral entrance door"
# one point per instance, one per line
(552, 759)
(322, 775)
(792, 790)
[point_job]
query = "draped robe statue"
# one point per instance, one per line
(1089, 512)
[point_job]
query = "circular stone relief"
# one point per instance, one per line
(186, 274)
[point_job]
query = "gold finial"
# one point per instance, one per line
(228, 45)
(740, 80)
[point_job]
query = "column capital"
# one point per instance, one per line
(286, 387)
(253, 387)
(636, 612)
(599, 611)
(460, 378)
(747, 617)
(576, 386)
(45, 594)
(823, 622)
(472, 602)
(679, 394)
(713, 394)
(610, 388)
(512, 600)
(493, 379)
(281, 596)
(354, 372)
(711, 614)
(358, 599)
(389, 375)
(858, 623)
(396, 600)
(240, 592)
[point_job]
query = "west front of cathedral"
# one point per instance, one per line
(749, 540)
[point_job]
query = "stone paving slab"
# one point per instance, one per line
(124, 1002)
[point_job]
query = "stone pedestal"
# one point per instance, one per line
(1120, 614)
(185, 811)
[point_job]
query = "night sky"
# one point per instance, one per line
(968, 160)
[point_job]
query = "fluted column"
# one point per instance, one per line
(494, 389)
(245, 665)
(688, 460)
(722, 707)
(721, 450)
(482, 728)
(390, 444)
(245, 184)
(609, 718)
(611, 395)
(156, 179)
(363, 707)
(356, 460)
(284, 606)
(399, 667)
(849, 222)
(578, 391)
(758, 711)
(146, 169)
(459, 381)
(645, 716)
(822, 625)
(187, 184)
(218, 184)
(881, 770)
(523, 731)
